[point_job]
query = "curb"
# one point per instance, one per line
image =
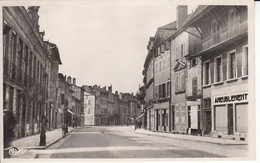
(166, 136)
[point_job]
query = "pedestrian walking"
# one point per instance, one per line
(9, 125)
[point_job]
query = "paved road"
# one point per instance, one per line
(122, 142)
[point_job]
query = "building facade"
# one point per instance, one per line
(224, 55)
(208, 74)
(29, 66)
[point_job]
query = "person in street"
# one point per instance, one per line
(9, 125)
(44, 122)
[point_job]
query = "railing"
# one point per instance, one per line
(231, 30)
(6, 68)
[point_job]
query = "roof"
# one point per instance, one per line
(163, 33)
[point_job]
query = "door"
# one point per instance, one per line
(173, 118)
(157, 120)
(230, 120)
(208, 122)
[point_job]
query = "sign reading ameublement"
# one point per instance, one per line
(231, 98)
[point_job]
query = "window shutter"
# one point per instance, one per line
(183, 82)
(194, 86)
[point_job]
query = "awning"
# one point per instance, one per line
(70, 111)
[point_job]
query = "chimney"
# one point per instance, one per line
(74, 81)
(181, 15)
(69, 79)
(110, 89)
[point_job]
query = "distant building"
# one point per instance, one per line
(89, 108)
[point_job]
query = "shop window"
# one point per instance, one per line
(242, 118)
(218, 69)
(231, 65)
(245, 61)
(220, 122)
(206, 73)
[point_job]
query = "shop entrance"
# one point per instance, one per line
(208, 121)
(173, 118)
(157, 120)
(230, 120)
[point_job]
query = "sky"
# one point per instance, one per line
(105, 42)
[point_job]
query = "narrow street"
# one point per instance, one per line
(122, 142)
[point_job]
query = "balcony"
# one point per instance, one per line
(229, 32)
(6, 68)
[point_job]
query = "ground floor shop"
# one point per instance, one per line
(161, 117)
(230, 113)
(194, 117)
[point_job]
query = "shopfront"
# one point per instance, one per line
(230, 115)
(161, 113)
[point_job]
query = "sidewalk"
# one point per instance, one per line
(32, 142)
(192, 138)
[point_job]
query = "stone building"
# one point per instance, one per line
(27, 70)
(224, 55)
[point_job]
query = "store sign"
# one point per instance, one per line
(231, 98)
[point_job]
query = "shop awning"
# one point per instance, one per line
(70, 111)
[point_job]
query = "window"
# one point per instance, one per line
(245, 61)
(180, 82)
(62, 99)
(231, 65)
(89, 102)
(88, 110)
(163, 90)
(168, 45)
(160, 91)
(193, 62)
(218, 69)
(194, 86)
(162, 48)
(206, 73)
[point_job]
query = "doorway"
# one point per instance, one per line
(230, 120)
